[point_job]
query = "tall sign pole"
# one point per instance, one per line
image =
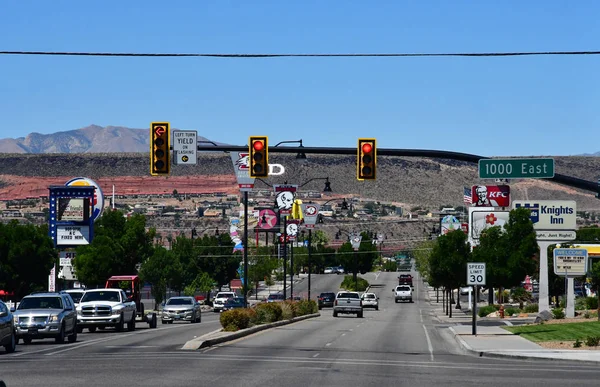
(310, 215)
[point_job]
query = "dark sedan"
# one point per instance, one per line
(233, 303)
(326, 300)
(8, 337)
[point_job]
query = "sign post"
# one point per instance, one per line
(475, 277)
(516, 168)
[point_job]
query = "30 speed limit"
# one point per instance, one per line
(476, 273)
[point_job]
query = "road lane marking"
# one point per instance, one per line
(316, 355)
(421, 315)
(130, 346)
(343, 334)
(429, 346)
(328, 344)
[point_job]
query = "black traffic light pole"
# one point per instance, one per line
(471, 158)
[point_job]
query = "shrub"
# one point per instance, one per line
(390, 266)
(587, 314)
(592, 341)
(591, 303)
(511, 311)
(577, 344)
(235, 319)
(307, 307)
(532, 308)
(485, 310)
(558, 313)
(268, 312)
(288, 310)
(580, 303)
(348, 284)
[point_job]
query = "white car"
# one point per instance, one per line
(220, 299)
(370, 300)
(328, 270)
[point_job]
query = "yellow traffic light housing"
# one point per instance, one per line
(366, 160)
(160, 145)
(259, 156)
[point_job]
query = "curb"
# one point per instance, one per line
(500, 355)
(204, 340)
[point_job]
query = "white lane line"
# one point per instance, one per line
(328, 344)
(343, 334)
(130, 346)
(429, 346)
(421, 315)
(351, 330)
(316, 355)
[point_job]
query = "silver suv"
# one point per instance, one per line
(42, 315)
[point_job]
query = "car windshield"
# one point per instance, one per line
(76, 296)
(327, 294)
(403, 288)
(101, 296)
(179, 301)
(235, 301)
(225, 295)
(275, 297)
(348, 295)
(41, 303)
(369, 296)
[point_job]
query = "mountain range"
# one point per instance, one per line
(93, 139)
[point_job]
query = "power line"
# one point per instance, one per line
(330, 55)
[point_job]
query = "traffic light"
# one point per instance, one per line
(259, 156)
(366, 161)
(160, 144)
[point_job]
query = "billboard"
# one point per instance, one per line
(483, 218)
(490, 195)
(550, 214)
(73, 209)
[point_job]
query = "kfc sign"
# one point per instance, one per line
(491, 195)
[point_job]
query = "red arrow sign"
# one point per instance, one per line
(159, 131)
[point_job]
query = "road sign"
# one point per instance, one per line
(516, 168)
(185, 147)
(476, 273)
(570, 262)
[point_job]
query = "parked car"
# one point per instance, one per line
(338, 270)
(326, 300)
(75, 294)
(42, 315)
(370, 300)
(8, 335)
(328, 270)
(181, 309)
(233, 303)
(275, 297)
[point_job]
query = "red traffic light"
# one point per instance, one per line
(258, 145)
(367, 148)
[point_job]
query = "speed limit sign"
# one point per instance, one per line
(476, 273)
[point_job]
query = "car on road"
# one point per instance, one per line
(233, 303)
(328, 270)
(8, 335)
(181, 308)
(403, 293)
(370, 300)
(46, 315)
(75, 294)
(101, 308)
(348, 303)
(405, 279)
(338, 270)
(326, 300)
(220, 299)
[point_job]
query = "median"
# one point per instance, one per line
(237, 323)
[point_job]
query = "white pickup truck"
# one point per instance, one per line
(403, 293)
(100, 308)
(348, 303)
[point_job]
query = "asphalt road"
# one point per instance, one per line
(401, 344)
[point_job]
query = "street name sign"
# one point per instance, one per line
(476, 273)
(570, 262)
(516, 168)
(185, 147)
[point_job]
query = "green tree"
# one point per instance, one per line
(203, 283)
(590, 234)
(261, 266)
(159, 270)
(421, 256)
(318, 238)
(27, 255)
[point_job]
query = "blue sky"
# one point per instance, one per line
(519, 106)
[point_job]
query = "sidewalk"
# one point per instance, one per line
(497, 342)
(277, 287)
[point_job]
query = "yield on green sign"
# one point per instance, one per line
(516, 168)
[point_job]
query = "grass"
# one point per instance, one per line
(557, 332)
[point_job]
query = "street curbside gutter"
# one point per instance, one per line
(219, 336)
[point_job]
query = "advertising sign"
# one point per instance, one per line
(570, 262)
(73, 209)
(241, 166)
(52, 280)
(268, 220)
(550, 214)
(66, 258)
(449, 223)
(291, 229)
(285, 195)
(490, 195)
(311, 214)
(481, 218)
(98, 203)
(72, 235)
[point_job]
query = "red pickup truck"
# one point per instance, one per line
(405, 279)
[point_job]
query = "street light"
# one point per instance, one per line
(301, 155)
(344, 203)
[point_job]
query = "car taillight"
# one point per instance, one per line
(335, 302)
(320, 298)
